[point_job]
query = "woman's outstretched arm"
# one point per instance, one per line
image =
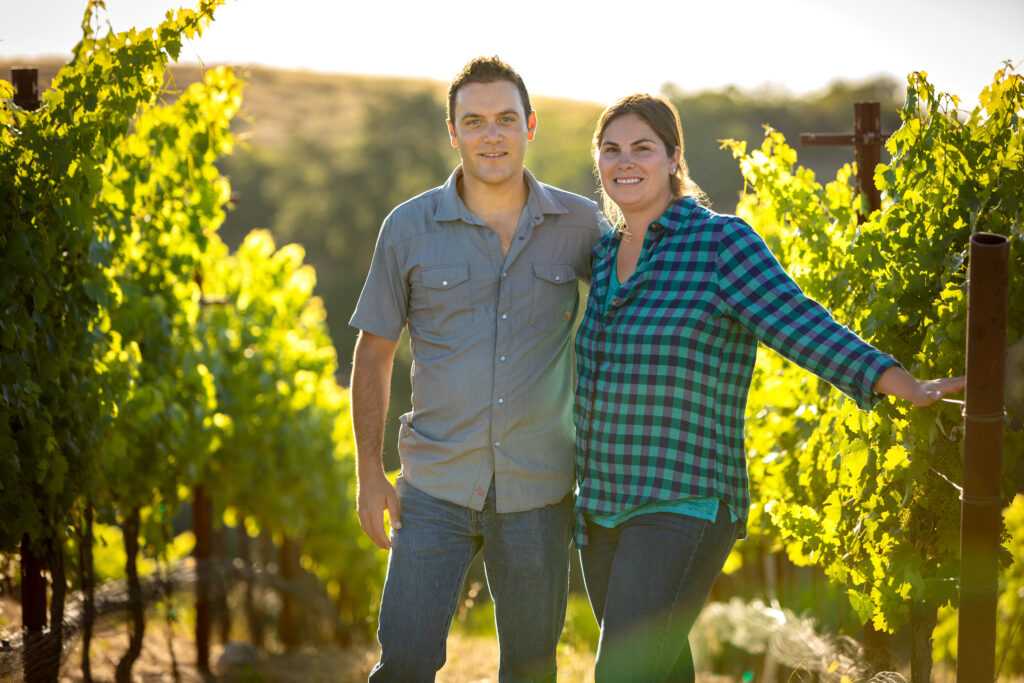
(763, 297)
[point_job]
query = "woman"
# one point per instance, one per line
(680, 297)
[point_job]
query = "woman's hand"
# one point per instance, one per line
(898, 382)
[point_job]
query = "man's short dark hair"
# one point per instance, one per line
(487, 70)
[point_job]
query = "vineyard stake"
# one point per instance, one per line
(26, 88)
(289, 570)
(981, 500)
(867, 138)
(202, 521)
(33, 583)
(202, 527)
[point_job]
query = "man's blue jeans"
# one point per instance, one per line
(526, 558)
(647, 580)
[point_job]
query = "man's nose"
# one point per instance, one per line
(492, 131)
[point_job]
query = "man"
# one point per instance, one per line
(484, 271)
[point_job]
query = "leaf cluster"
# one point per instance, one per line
(873, 498)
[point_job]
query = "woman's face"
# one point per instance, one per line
(635, 165)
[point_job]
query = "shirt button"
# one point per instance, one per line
(444, 283)
(504, 316)
(497, 443)
(503, 359)
(501, 401)
(557, 278)
(505, 274)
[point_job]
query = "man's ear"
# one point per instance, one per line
(531, 125)
(453, 139)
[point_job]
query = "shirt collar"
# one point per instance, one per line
(675, 218)
(450, 207)
(677, 215)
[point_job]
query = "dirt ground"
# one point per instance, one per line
(471, 659)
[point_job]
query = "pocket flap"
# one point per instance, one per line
(558, 274)
(444, 277)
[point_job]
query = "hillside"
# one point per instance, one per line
(326, 156)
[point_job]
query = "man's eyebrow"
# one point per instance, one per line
(472, 115)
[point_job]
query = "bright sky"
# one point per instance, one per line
(584, 49)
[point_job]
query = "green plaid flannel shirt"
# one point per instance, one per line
(664, 370)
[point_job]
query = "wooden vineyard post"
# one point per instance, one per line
(289, 572)
(981, 499)
(33, 610)
(202, 523)
(202, 526)
(33, 583)
(866, 139)
(26, 88)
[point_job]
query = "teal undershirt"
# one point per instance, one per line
(705, 508)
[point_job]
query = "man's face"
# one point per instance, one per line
(491, 130)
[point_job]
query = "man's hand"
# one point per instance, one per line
(371, 382)
(375, 495)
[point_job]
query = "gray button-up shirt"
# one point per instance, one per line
(492, 375)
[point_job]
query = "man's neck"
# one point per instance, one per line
(485, 199)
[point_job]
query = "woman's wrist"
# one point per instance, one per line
(896, 381)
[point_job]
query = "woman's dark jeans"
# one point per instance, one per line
(648, 580)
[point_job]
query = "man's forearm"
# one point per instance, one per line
(371, 389)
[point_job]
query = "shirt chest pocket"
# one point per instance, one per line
(553, 297)
(440, 300)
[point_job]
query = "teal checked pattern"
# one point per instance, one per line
(664, 366)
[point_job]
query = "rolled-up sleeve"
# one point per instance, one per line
(754, 288)
(384, 302)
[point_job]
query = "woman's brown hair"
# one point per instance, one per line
(663, 118)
